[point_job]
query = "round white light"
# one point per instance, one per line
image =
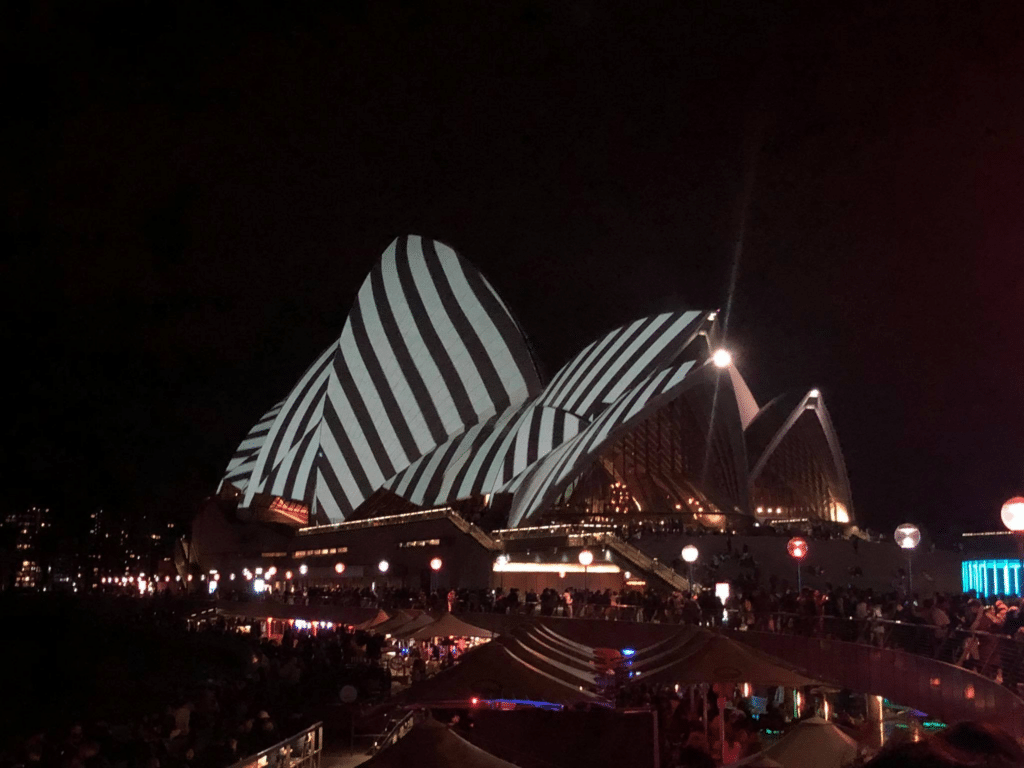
(270, 571)
(287, 574)
(303, 569)
(383, 566)
(586, 557)
(502, 559)
(435, 564)
(339, 567)
(722, 358)
(690, 553)
(1013, 514)
(907, 536)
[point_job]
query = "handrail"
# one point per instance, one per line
(398, 729)
(997, 656)
(644, 561)
(473, 530)
(440, 513)
(310, 743)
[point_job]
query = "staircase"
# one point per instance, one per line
(639, 560)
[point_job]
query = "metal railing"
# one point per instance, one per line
(396, 731)
(302, 750)
(997, 656)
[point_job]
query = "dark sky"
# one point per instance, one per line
(192, 195)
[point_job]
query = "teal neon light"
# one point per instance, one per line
(992, 577)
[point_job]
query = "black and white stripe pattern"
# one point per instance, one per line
(244, 459)
(484, 458)
(617, 361)
(547, 477)
(428, 351)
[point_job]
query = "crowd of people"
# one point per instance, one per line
(275, 692)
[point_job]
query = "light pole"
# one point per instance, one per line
(1012, 514)
(586, 558)
(907, 538)
(501, 562)
(435, 566)
(690, 555)
(797, 549)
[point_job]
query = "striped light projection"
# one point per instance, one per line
(992, 577)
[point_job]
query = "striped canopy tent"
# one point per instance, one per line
(374, 621)
(708, 657)
(404, 631)
(397, 621)
(496, 670)
(449, 626)
(432, 745)
(812, 743)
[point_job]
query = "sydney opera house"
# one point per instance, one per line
(425, 432)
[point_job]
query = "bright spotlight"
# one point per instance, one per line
(722, 358)
(586, 557)
(383, 566)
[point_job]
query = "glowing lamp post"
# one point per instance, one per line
(435, 566)
(383, 566)
(690, 555)
(501, 561)
(797, 549)
(303, 569)
(907, 537)
(586, 558)
(339, 568)
(1012, 514)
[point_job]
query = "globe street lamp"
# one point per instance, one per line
(797, 549)
(383, 566)
(435, 566)
(339, 568)
(690, 555)
(1012, 514)
(907, 538)
(586, 558)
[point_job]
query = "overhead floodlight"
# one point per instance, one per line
(722, 358)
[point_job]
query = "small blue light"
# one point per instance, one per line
(627, 652)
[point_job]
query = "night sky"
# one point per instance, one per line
(192, 195)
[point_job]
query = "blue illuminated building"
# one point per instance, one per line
(992, 577)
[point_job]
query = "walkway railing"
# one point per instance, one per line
(302, 750)
(996, 656)
(396, 731)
